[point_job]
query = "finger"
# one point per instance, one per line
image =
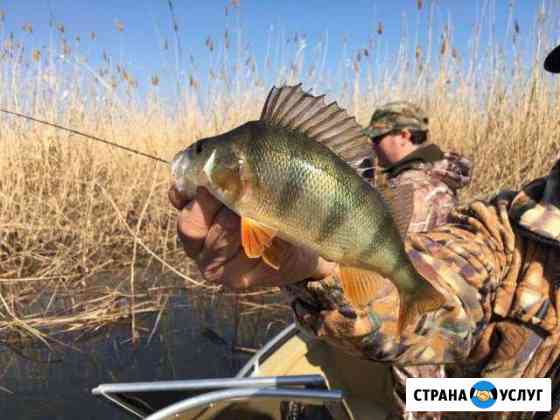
(195, 221)
(231, 273)
(295, 264)
(324, 268)
(223, 240)
(177, 199)
(239, 272)
(298, 263)
(261, 274)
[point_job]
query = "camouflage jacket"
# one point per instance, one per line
(497, 262)
(436, 178)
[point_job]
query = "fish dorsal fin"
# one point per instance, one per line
(401, 203)
(291, 107)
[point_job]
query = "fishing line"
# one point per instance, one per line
(89, 136)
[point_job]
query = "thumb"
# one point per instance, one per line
(178, 200)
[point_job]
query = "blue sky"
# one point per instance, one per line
(147, 24)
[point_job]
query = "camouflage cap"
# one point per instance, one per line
(552, 60)
(396, 116)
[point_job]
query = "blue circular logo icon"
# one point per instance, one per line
(483, 394)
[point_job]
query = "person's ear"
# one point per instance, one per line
(406, 134)
(404, 138)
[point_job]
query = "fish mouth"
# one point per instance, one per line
(179, 163)
(179, 170)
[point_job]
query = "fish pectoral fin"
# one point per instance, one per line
(359, 285)
(255, 238)
(411, 306)
(258, 241)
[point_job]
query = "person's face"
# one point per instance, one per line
(392, 147)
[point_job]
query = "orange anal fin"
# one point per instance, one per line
(359, 285)
(412, 307)
(255, 238)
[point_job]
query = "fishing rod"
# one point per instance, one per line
(89, 136)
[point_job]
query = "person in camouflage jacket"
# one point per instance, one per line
(400, 134)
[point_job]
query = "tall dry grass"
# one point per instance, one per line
(71, 209)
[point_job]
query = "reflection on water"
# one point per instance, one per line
(192, 339)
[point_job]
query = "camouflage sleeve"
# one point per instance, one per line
(455, 169)
(433, 200)
(466, 261)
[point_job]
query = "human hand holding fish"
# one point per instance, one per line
(210, 234)
(298, 180)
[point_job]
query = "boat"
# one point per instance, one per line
(292, 377)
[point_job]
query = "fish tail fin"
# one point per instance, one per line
(359, 285)
(425, 300)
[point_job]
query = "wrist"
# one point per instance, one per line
(323, 269)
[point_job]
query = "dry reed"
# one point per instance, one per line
(72, 211)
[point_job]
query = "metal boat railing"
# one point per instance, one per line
(194, 404)
(144, 399)
(270, 347)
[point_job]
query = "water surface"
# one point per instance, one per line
(192, 339)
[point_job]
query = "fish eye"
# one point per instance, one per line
(198, 147)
